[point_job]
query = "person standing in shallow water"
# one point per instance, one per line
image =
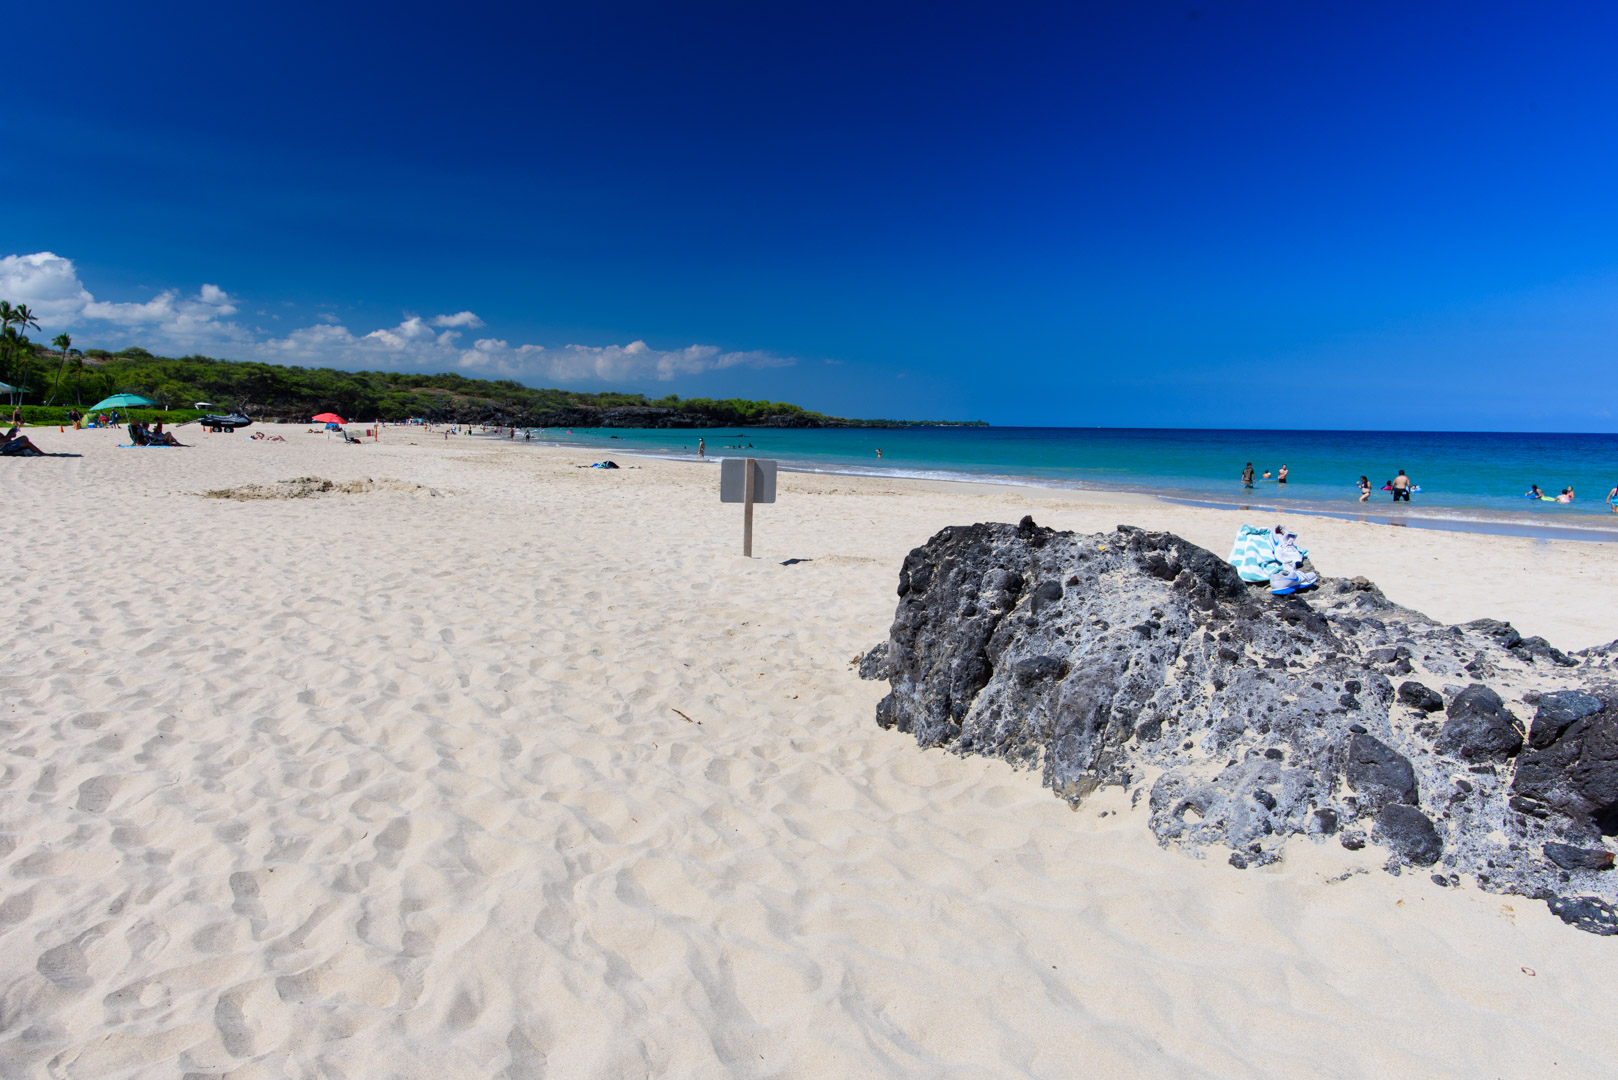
(1281, 477)
(1365, 489)
(1401, 487)
(1247, 475)
(702, 448)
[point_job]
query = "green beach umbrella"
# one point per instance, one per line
(121, 401)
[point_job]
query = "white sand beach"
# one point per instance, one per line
(526, 772)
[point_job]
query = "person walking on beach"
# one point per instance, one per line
(1281, 477)
(1247, 475)
(702, 448)
(1365, 489)
(1401, 487)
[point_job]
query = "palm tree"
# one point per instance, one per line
(8, 315)
(18, 319)
(62, 342)
(13, 344)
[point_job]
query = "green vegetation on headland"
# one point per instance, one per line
(271, 391)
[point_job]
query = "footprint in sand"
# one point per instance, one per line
(65, 966)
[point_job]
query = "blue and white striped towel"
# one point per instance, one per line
(1253, 555)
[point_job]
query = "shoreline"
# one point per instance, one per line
(1445, 519)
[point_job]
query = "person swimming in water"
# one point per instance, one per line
(1533, 492)
(1566, 496)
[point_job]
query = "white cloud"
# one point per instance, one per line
(401, 337)
(178, 323)
(606, 363)
(47, 283)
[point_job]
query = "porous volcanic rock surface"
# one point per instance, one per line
(1139, 659)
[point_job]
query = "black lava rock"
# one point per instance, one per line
(1589, 913)
(1576, 772)
(1569, 857)
(1417, 696)
(1410, 833)
(1479, 726)
(1379, 774)
(1041, 667)
(874, 662)
(1044, 596)
(1557, 712)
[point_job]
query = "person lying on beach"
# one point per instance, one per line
(15, 445)
(1365, 490)
(267, 438)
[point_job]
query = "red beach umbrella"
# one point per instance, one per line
(328, 418)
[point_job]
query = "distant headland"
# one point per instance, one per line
(296, 393)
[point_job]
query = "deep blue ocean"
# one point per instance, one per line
(1463, 476)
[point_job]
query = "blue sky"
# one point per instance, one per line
(1198, 214)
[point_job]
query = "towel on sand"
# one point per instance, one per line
(1255, 556)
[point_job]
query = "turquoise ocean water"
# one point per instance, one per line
(1465, 478)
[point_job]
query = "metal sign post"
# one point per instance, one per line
(747, 481)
